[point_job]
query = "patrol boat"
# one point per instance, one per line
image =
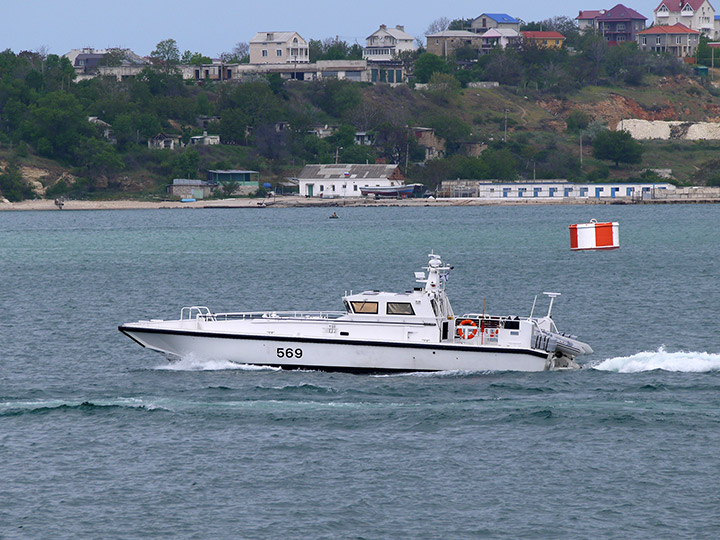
(377, 332)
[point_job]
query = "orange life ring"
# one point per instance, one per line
(467, 323)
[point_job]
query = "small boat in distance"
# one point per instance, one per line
(376, 332)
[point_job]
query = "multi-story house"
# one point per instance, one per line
(278, 48)
(386, 43)
(446, 42)
(620, 24)
(694, 14)
(486, 21)
(587, 20)
(677, 40)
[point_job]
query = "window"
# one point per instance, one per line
(678, 40)
(322, 187)
(365, 307)
(657, 40)
(278, 52)
(354, 187)
(264, 52)
(400, 308)
(644, 40)
(620, 27)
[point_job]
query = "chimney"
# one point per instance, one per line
(400, 27)
(383, 27)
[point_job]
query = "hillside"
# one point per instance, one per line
(513, 131)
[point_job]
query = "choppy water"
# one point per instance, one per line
(100, 438)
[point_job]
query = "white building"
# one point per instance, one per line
(694, 14)
(500, 37)
(550, 189)
(386, 43)
(345, 180)
(278, 48)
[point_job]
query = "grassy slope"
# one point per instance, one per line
(538, 121)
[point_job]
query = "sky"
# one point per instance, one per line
(58, 26)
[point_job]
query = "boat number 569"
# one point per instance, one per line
(288, 353)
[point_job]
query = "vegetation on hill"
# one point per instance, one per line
(551, 103)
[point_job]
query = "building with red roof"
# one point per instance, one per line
(694, 14)
(587, 20)
(553, 40)
(620, 24)
(677, 40)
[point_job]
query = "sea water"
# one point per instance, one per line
(100, 438)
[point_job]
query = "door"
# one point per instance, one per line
(310, 190)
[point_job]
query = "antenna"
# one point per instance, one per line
(552, 296)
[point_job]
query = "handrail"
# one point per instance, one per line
(289, 315)
(201, 312)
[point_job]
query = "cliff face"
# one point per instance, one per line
(679, 98)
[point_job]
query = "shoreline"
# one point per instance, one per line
(304, 202)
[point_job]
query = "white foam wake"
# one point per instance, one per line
(689, 362)
(192, 363)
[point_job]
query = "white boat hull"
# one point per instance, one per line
(336, 354)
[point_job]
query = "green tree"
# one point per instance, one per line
(124, 130)
(335, 97)
(357, 154)
(98, 156)
(234, 126)
(443, 87)
(460, 24)
(426, 65)
(501, 164)
(577, 120)
(617, 146)
(195, 58)
(57, 125)
(186, 164)
(166, 55)
(453, 130)
(12, 185)
(344, 136)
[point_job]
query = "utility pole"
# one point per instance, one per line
(505, 136)
(581, 151)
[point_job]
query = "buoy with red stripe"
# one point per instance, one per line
(594, 235)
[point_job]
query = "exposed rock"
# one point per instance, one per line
(644, 130)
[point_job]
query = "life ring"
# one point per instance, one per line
(467, 323)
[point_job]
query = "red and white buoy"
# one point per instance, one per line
(594, 235)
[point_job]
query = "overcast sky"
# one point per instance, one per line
(215, 26)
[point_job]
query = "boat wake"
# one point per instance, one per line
(192, 363)
(688, 362)
(13, 408)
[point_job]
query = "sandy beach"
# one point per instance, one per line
(283, 202)
(294, 201)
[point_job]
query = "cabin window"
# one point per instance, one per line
(347, 306)
(400, 308)
(512, 325)
(365, 307)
